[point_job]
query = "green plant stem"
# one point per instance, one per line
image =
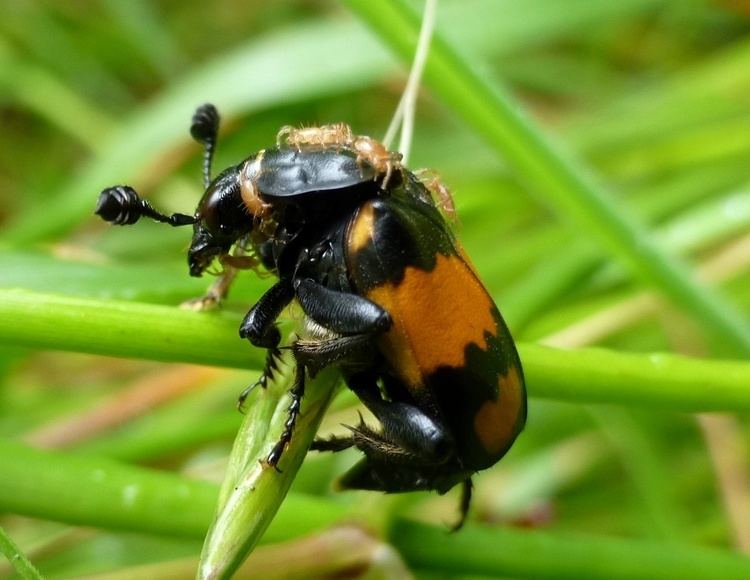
(252, 491)
(92, 491)
(118, 328)
(129, 329)
(532, 554)
(653, 381)
(80, 489)
(23, 567)
(552, 173)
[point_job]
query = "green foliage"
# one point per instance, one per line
(592, 243)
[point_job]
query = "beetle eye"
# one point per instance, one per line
(210, 220)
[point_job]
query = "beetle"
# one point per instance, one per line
(388, 293)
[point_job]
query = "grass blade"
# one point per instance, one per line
(23, 567)
(552, 172)
(533, 554)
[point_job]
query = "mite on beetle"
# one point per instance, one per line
(389, 296)
(339, 136)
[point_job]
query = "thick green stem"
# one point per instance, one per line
(118, 328)
(131, 329)
(94, 491)
(656, 380)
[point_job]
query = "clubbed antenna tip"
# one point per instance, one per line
(205, 129)
(122, 206)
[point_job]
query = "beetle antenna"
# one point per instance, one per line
(122, 206)
(205, 129)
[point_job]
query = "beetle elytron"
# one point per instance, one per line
(389, 296)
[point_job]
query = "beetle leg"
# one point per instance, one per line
(220, 288)
(406, 429)
(374, 444)
(297, 392)
(260, 329)
(410, 453)
(466, 487)
(340, 312)
(332, 444)
(408, 435)
(366, 388)
(318, 354)
(240, 262)
(356, 318)
(269, 368)
(258, 326)
(215, 294)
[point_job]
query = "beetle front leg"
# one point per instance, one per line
(219, 290)
(259, 327)
(216, 292)
(269, 368)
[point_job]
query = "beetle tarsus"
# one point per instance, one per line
(297, 392)
(244, 395)
(466, 488)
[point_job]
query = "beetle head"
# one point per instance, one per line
(220, 220)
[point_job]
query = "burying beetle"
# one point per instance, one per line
(389, 297)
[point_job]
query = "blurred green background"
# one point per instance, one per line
(652, 96)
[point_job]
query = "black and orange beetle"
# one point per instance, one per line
(389, 296)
